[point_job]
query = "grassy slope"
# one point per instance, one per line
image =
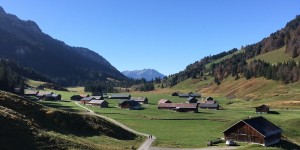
(223, 58)
(33, 126)
(275, 57)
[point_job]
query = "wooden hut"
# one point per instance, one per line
(99, 103)
(254, 130)
(262, 109)
(129, 104)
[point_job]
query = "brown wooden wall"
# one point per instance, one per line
(243, 133)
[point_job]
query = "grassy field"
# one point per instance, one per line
(192, 130)
(275, 57)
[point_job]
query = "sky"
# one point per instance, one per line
(166, 35)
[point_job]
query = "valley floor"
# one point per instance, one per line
(193, 130)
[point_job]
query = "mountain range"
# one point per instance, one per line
(26, 44)
(148, 74)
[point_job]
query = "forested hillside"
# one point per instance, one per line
(234, 63)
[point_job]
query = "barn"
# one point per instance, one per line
(262, 109)
(99, 103)
(192, 100)
(141, 100)
(209, 106)
(120, 96)
(164, 101)
(129, 104)
(179, 107)
(254, 130)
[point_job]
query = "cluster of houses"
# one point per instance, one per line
(192, 103)
(126, 101)
(42, 95)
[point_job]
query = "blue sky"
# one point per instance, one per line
(165, 35)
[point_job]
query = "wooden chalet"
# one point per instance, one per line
(215, 106)
(86, 100)
(76, 97)
(262, 109)
(192, 100)
(41, 94)
(99, 103)
(189, 95)
(179, 107)
(174, 94)
(129, 104)
(97, 97)
(120, 96)
(141, 100)
(51, 97)
(254, 130)
(164, 101)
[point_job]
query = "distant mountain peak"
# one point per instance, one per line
(2, 11)
(147, 74)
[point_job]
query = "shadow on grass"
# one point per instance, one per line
(285, 144)
(59, 106)
(274, 112)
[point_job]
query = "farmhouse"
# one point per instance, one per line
(76, 97)
(51, 97)
(41, 94)
(262, 109)
(164, 101)
(99, 103)
(209, 106)
(86, 100)
(129, 104)
(192, 100)
(254, 130)
(141, 100)
(97, 97)
(179, 107)
(209, 103)
(120, 96)
(189, 95)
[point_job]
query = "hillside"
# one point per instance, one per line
(148, 74)
(25, 43)
(34, 126)
(274, 57)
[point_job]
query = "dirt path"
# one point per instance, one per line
(147, 143)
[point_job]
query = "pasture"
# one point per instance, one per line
(193, 130)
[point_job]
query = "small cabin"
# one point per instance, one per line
(174, 94)
(209, 106)
(179, 107)
(120, 96)
(254, 130)
(141, 100)
(86, 100)
(30, 93)
(99, 103)
(76, 97)
(192, 100)
(262, 109)
(164, 101)
(51, 97)
(129, 104)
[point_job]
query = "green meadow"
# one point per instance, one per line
(192, 130)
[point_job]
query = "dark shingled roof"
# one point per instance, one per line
(178, 105)
(215, 105)
(130, 102)
(261, 125)
(263, 106)
(164, 101)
